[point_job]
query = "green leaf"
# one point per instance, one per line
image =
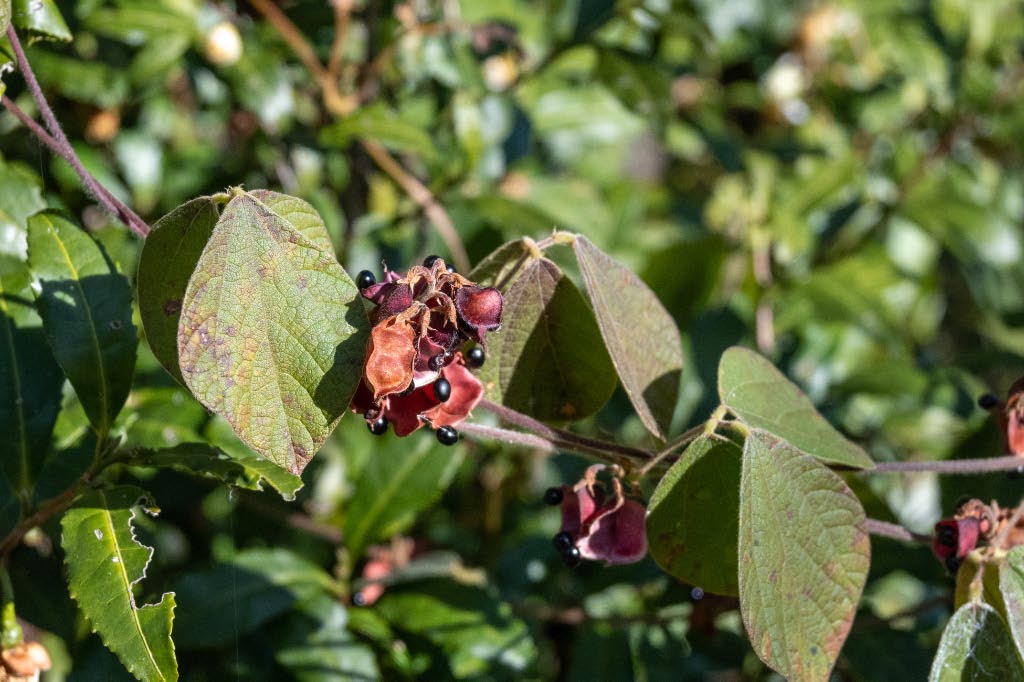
(30, 396)
(764, 398)
(1011, 587)
(40, 19)
(87, 314)
(219, 434)
(393, 487)
(382, 125)
(640, 335)
(200, 459)
(693, 516)
(232, 599)
(20, 197)
(976, 645)
(547, 360)
(476, 631)
(169, 256)
(498, 264)
(316, 645)
(803, 557)
(104, 562)
(272, 336)
(5, 17)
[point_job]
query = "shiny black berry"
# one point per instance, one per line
(429, 261)
(563, 542)
(365, 279)
(475, 357)
(571, 557)
(987, 401)
(437, 362)
(446, 435)
(442, 390)
(553, 496)
(378, 427)
(451, 269)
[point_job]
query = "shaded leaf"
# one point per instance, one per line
(649, 363)
(104, 562)
(1011, 586)
(379, 124)
(317, 646)
(803, 557)
(235, 598)
(87, 314)
(200, 459)
(393, 487)
(40, 19)
(219, 434)
(169, 256)
(547, 360)
(272, 337)
(498, 264)
(30, 396)
(20, 197)
(764, 398)
(693, 516)
(477, 632)
(976, 645)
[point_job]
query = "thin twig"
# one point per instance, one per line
(41, 515)
(496, 433)
(342, 16)
(424, 198)
(894, 531)
(293, 36)
(67, 152)
(952, 466)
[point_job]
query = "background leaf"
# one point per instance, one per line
(976, 646)
(169, 256)
(104, 562)
(693, 516)
(200, 459)
(803, 558)
(272, 337)
(650, 363)
(547, 360)
(763, 397)
(393, 487)
(87, 314)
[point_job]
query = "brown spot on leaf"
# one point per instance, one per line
(172, 306)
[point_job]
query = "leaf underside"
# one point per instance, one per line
(976, 645)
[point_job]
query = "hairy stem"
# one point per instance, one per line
(951, 466)
(62, 147)
(894, 531)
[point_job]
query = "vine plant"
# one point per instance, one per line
(243, 302)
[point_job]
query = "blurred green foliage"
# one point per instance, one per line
(838, 184)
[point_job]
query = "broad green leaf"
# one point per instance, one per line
(30, 395)
(498, 264)
(640, 335)
(104, 562)
(693, 516)
(20, 197)
(976, 645)
(477, 632)
(87, 314)
(803, 557)
(40, 19)
(219, 434)
(764, 398)
(169, 256)
(64, 466)
(315, 645)
(393, 487)
(547, 360)
(235, 598)
(382, 125)
(272, 336)
(1011, 586)
(200, 459)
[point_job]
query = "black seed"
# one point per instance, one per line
(571, 557)
(446, 435)
(946, 536)
(952, 564)
(378, 427)
(475, 358)
(429, 261)
(451, 269)
(987, 401)
(442, 390)
(358, 599)
(365, 279)
(562, 541)
(437, 362)
(553, 496)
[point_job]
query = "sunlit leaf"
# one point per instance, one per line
(764, 398)
(649, 362)
(87, 314)
(976, 645)
(547, 360)
(272, 337)
(693, 516)
(40, 19)
(1011, 586)
(104, 562)
(803, 558)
